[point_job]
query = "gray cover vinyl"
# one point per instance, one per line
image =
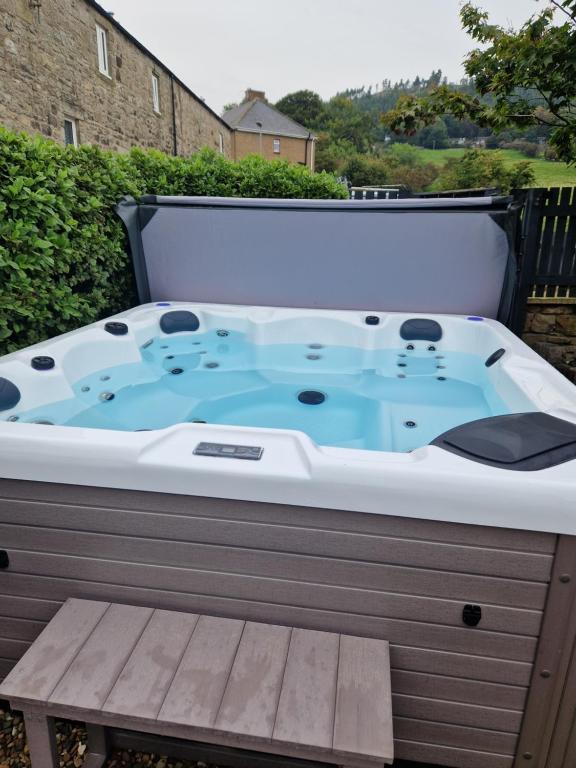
(431, 255)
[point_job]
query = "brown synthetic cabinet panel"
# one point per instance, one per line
(454, 689)
(551, 700)
(427, 582)
(399, 579)
(92, 501)
(451, 757)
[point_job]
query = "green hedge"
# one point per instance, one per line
(63, 259)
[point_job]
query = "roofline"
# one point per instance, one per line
(241, 112)
(286, 117)
(111, 20)
(250, 104)
(311, 136)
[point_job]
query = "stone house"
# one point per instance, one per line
(70, 71)
(260, 128)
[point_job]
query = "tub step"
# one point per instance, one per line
(283, 690)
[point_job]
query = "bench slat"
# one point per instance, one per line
(198, 686)
(43, 665)
(306, 709)
(251, 697)
(143, 683)
(363, 721)
(91, 675)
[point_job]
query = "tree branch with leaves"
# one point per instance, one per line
(522, 78)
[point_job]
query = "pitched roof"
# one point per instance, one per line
(246, 116)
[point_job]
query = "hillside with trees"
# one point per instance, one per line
(353, 141)
(519, 98)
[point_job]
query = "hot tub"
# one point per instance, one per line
(398, 474)
(333, 408)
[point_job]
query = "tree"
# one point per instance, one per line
(480, 168)
(227, 107)
(305, 107)
(344, 120)
(434, 136)
(522, 78)
(363, 171)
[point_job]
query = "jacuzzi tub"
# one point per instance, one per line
(413, 502)
(331, 408)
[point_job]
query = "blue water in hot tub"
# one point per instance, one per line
(387, 399)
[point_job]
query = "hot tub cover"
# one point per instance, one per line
(451, 256)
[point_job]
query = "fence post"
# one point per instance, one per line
(527, 256)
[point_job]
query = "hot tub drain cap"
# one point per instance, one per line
(311, 397)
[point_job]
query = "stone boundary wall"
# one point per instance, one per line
(550, 329)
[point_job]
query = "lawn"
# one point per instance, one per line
(548, 174)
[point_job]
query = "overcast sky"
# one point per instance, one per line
(221, 47)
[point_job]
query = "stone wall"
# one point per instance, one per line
(49, 72)
(550, 329)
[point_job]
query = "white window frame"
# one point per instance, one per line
(155, 93)
(102, 45)
(221, 142)
(72, 121)
(276, 146)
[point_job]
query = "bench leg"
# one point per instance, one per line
(41, 737)
(97, 746)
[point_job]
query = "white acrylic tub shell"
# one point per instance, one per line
(428, 483)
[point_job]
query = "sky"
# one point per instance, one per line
(221, 47)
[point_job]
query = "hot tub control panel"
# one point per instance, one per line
(227, 451)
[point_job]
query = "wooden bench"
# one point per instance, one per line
(286, 691)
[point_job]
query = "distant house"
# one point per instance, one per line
(258, 127)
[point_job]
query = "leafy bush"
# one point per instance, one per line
(407, 167)
(482, 168)
(551, 154)
(493, 141)
(63, 259)
(528, 148)
(366, 171)
(398, 164)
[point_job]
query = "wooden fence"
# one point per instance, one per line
(550, 248)
(547, 251)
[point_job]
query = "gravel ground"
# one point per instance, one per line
(71, 739)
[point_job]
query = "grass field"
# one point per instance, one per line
(548, 174)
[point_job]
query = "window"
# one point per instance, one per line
(156, 93)
(221, 143)
(70, 132)
(276, 146)
(102, 42)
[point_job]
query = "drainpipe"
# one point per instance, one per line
(259, 125)
(306, 148)
(174, 132)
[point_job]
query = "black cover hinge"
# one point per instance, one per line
(4, 559)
